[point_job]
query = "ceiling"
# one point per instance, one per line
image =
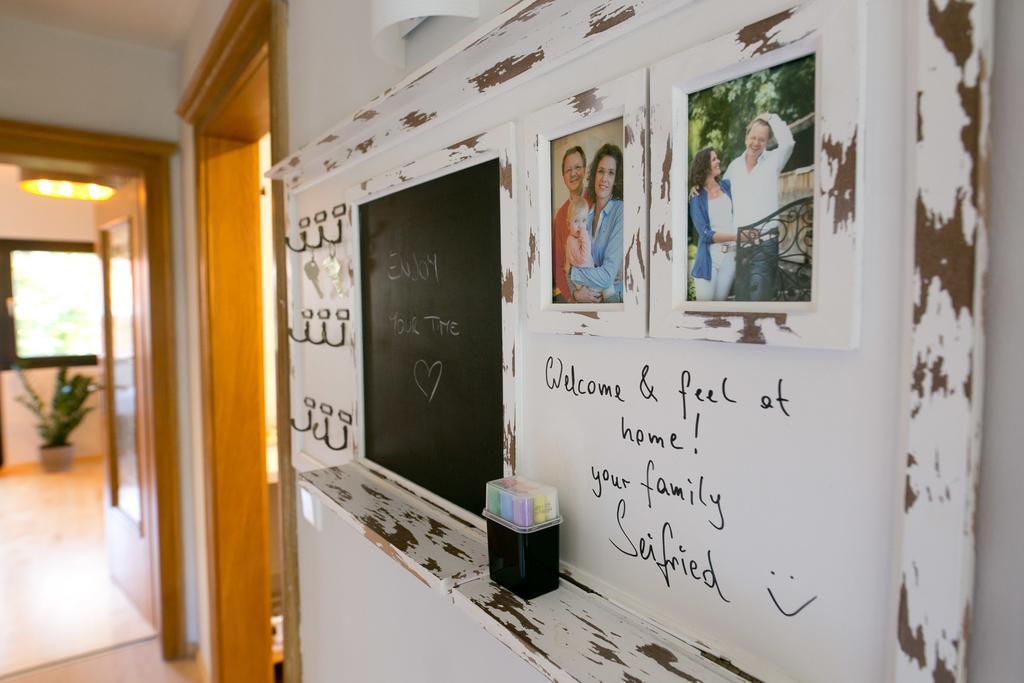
(152, 23)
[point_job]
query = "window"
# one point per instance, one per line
(54, 297)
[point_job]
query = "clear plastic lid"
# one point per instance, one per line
(522, 505)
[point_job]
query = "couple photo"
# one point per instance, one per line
(751, 186)
(587, 221)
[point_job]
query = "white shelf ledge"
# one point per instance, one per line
(572, 634)
(432, 545)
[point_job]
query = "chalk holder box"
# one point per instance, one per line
(522, 535)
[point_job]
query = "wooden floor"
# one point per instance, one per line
(56, 597)
(125, 664)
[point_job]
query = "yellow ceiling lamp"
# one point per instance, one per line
(64, 186)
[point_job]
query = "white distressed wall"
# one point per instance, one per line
(872, 371)
(325, 88)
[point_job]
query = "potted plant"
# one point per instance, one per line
(65, 412)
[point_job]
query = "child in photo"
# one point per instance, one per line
(577, 244)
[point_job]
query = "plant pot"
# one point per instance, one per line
(56, 458)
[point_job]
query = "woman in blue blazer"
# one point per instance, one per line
(714, 267)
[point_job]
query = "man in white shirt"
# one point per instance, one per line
(755, 195)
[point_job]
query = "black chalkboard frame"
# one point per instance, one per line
(498, 143)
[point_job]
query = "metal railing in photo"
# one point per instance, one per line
(324, 315)
(320, 219)
(343, 418)
(778, 245)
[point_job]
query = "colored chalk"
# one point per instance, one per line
(522, 512)
(524, 503)
(539, 508)
(493, 500)
(505, 505)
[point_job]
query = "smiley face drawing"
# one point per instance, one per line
(780, 608)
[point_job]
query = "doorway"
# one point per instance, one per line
(90, 556)
(249, 483)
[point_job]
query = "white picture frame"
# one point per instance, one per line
(626, 99)
(829, 317)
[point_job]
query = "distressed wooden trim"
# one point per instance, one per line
(438, 550)
(529, 39)
(574, 634)
(946, 325)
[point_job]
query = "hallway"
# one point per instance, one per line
(58, 599)
(126, 664)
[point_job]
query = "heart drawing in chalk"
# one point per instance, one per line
(429, 377)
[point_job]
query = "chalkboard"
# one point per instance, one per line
(430, 260)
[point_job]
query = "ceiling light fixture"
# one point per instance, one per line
(65, 187)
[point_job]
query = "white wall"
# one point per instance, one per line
(331, 69)
(376, 623)
(433, 37)
(190, 439)
(28, 216)
(204, 25)
(186, 295)
(325, 88)
(69, 79)
(339, 73)
(998, 621)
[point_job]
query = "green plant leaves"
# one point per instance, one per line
(66, 410)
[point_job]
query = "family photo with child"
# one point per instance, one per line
(587, 221)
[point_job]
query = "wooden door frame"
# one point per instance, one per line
(223, 100)
(158, 428)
